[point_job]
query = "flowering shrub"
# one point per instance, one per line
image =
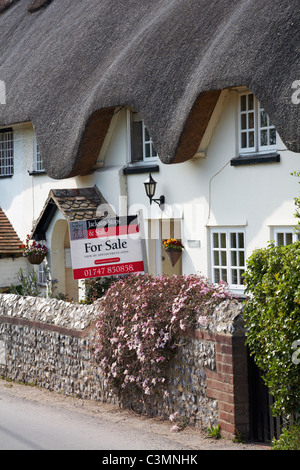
(36, 248)
(95, 288)
(139, 319)
(174, 244)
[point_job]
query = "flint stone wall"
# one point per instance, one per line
(47, 342)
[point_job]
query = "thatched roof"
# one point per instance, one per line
(68, 64)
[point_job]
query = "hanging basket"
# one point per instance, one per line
(36, 258)
(173, 255)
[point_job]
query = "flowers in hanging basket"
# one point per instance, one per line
(173, 244)
(33, 249)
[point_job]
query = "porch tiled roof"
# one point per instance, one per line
(9, 240)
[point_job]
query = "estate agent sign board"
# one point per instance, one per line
(106, 247)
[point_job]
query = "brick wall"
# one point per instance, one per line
(228, 384)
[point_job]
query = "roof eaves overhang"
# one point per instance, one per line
(40, 230)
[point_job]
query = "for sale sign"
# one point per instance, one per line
(106, 247)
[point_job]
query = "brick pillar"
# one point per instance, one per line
(228, 384)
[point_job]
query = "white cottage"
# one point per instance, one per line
(235, 200)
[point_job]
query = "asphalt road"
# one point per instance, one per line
(35, 419)
(29, 425)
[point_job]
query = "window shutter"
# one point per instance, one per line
(137, 141)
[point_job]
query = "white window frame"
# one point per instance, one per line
(287, 234)
(38, 162)
(147, 152)
(42, 274)
(256, 129)
(6, 152)
(223, 256)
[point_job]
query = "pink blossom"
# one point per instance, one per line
(159, 359)
(202, 320)
(173, 416)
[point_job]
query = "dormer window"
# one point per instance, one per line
(142, 149)
(256, 132)
(6, 152)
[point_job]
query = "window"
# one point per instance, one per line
(142, 149)
(6, 152)
(42, 274)
(228, 256)
(38, 162)
(256, 133)
(285, 236)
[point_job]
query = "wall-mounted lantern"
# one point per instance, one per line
(150, 186)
